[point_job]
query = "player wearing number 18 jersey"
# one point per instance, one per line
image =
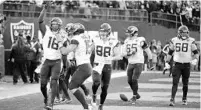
(79, 45)
(53, 39)
(183, 47)
(134, 52)
(103, 45)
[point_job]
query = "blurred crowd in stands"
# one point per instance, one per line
(184, 7)
(185, 11)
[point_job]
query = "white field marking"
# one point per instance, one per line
(156, 96)
(79, 107)
(1, 88)
(167, 72)
(19, 90)
(191, 80)
(163, 86)
(115, 75)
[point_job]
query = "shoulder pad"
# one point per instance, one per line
(192, 39)
(173, 39)
(141, 38)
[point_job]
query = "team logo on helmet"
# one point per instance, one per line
(78, 28)
(132, 30)
(21, 27)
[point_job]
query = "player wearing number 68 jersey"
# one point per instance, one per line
(183, 48)
(53, 38)
(134, 47)
(103, 46)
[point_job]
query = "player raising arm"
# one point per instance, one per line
(52, 43)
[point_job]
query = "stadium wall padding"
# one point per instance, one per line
(149, 32)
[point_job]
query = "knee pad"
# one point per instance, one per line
(97, 83)
(129, 82)
(134, 81)
(73, 90)
(104, 88)
(43, 86)
(54, 82)
(175, 84)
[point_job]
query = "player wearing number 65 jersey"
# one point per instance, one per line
(53, 38)
(103, 45)
(183, 47)
(134, 47)
(79, 45)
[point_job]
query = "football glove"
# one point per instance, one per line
(167, 66)
(194, 62)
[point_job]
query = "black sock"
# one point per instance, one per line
(95, 88)
(80, 97)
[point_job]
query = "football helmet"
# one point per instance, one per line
(132, 31)
(183, 32)
(69, 28)
(105, 30)
(55, 24)
(78, 28)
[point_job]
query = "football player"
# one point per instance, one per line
(72, 62)
(134, 52)
(52, 43)
(63, 87)
(79, 46)
(103, 45)
(183, 46)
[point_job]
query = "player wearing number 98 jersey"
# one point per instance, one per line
(79, 45)
(53, 38)
(134, 47)
(183, 47)
(103, 45)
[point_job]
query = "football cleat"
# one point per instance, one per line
(138, 96)
(93, 101)
(184, 101)
(100, 107)
(172, 102)
(49, 107)
(65, 101)
(133, 100)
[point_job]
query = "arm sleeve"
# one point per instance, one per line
(194, 48)
(144, 44)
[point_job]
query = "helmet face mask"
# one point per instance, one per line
(183, 32)
(105, 30)
(103, 34)
(55, 24)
